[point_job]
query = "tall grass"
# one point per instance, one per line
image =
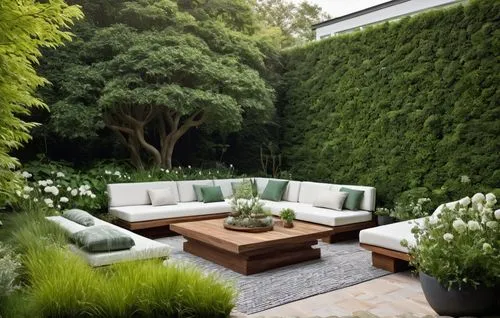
(59, 283)
(63, 285)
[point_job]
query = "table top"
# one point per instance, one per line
(212, 232)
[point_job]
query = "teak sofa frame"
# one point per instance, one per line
(161, 227)
(387, 259)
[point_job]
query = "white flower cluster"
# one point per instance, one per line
(481, 203)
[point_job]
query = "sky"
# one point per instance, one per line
(337, 8)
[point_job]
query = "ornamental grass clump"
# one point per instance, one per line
(460, 245)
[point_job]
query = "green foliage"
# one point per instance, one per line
(460, 247)
(9, 270)
(26, 28)
(63, 285)
(287, 215)
(402, 105)
(58, 283)
(408, 209)
(159, 70)
(294, 20)
(55, 186)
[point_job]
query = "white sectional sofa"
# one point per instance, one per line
(130, 203)
(385, 242)
(144, 248)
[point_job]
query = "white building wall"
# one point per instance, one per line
(398, 10)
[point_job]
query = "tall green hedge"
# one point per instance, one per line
(413, 103)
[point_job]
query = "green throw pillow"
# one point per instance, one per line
(197, 190)
(102, 238)
(274, 190)
(354, 198)
(79, 216)
(212, 194)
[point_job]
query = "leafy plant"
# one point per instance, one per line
(399, 105)
(287, 215)
(26, 28)
(460, 245)
(9, 270)
(248, 213)
(407, 209)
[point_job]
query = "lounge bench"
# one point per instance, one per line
(144, 248)
(385, 242)
(130, 203)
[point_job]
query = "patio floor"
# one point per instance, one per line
(389, 296)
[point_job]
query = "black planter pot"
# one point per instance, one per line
(384, 219)
(456, 303)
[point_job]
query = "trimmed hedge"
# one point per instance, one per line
(400, 105)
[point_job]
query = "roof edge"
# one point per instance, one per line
(359, 13)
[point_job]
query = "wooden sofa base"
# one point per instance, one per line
(161, 227)
(389, 260)
(348, 232)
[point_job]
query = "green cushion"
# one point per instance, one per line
(274, 190)
(79, 216)
(197, 190)
(102, 238)
(212, 194)
(354, 198)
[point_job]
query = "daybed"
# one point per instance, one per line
(385, 242)
(131, 205)
(144, 248)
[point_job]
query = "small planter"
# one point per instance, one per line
(456, 303)
(248, 229)
(288, 225)
(384, 219)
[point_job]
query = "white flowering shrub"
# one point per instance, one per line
(408, 209)
(460, 246)
(10, 266)
(56, 187)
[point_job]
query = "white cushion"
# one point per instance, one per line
(291, 193)
(123, 194)
(389, 236)
(140, 213)
(308, 213)
(308, 191)
(186, 191)
(225, 186)
(164, 196)
(330, 199)
(449, 205)
(144, 248)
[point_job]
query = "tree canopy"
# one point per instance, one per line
(155, 69)
(294, 20)
(25, 28)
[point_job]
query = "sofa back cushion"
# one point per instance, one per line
(309, 190)
(125, 194)
(225, 185)
(291, 192)
(186, 190)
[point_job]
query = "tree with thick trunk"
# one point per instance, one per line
(160, 70)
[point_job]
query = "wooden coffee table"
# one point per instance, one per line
(250, 253)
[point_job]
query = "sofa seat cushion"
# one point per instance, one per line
(139, 213)
(389, 236)
(308, 213)
(144, 248)
(125, 194)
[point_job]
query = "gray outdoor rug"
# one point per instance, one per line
(341, 265)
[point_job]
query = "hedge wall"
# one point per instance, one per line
(401, 105)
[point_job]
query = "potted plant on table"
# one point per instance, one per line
(457, 255)
(287, 216)
(248, 213)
